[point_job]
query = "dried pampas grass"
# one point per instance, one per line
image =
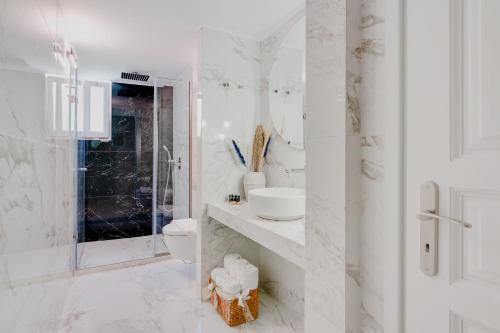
(259, 143)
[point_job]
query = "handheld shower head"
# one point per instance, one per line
(169, 163)
(165, 148)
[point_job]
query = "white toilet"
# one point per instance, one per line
(180, 238)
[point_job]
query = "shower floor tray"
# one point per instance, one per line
(99, 253)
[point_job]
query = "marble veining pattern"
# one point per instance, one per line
(285, 238)
(118, 181)
(372, 221)
(37, 198)
(34, 307)
(281, 279)
(231, 113)
(325, 281)
(37, 194)
(157, 297)
(36, 188)
(229, 85)
(370, 54)
(365, 86)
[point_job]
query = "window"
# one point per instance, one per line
(91, 117)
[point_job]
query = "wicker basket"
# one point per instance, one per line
(231, 312)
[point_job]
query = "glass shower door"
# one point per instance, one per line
(163, 163)
(75, 124)
(80, 193)
(172, 172)
(116, 187)
(126, 184)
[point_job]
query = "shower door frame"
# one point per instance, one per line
(78, 172)
(159, 83)
(80, 192)
(154, 197)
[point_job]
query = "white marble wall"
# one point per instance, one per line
(370, 54)
(365, 84)
(37, 207)
(281, 279)
(37, 194)
(326, 139)
(351, 149)
(353, 189)
(181, 143)
(344, 140)
(280, 158)
(228, 112)
(232, 113)
(36, 180)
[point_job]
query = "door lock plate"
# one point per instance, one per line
(429, 199)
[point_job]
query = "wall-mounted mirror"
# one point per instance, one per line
(286, 86)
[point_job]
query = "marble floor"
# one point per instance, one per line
(154, 298)
(100, 253)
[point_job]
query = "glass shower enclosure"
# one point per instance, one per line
(125, 183)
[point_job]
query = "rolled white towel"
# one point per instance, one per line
(235, 266)
(230, 258)
(229, 285)
(248, 276)
(217, 273)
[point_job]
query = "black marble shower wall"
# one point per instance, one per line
(119, 178)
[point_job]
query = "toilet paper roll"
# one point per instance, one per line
(237, 265)
(230, 258)
(217, 273)
(248, 276)
(229, 285)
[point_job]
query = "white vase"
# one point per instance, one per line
(253, 180)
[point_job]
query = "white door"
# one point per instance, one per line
(452, 86)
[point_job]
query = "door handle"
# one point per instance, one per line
(424, 216)
(429, 206)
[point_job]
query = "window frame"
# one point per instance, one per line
(55, 109)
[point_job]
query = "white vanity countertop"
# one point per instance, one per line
(286, 238)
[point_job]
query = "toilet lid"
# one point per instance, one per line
(182, 227)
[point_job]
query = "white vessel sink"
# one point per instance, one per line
(278, 203)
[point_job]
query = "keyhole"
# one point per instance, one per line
(427, 247)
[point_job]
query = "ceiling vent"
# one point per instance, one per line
(134, 76)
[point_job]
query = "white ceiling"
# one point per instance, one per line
(156, 37)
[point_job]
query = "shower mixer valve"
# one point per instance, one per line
(178, 163)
